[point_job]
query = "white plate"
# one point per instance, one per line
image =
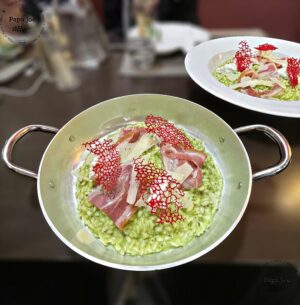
(203, 59)
(175, 36)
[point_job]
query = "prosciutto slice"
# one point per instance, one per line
(114, 204)
(275, 90)
(131, 135)
(133, 142)
(247, 73)
(267, 71)
(279, 62)
(175, 157)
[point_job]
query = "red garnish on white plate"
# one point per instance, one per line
(293, 70)
(166, 131)
(160, 191)
(108, 167)
(243, 56)
(266, 47)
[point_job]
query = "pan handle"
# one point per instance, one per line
(10, 143)
(283, 145)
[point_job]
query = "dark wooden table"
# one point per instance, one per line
(269, 230)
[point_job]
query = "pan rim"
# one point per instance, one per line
(145, 267)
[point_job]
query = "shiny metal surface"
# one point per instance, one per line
(10, 143)
(283, 145)
(56, 182)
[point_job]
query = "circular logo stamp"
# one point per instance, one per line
(21, 22)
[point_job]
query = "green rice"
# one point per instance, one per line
(289, 94)
(143, 235)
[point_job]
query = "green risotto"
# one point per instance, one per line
(143, 235)
(288, 94)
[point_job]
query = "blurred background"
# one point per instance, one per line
(58, 58)
(63, 38)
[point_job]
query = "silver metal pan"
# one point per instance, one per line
(55, 182)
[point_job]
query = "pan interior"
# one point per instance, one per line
(56, 181)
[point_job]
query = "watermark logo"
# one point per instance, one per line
(280, 279)
(21, 24)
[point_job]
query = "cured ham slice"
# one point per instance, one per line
(174, 159)
(275, 90)
(250, 91)
(131, 135)
(279, 62)
(133, 142)
(247, 73)
(267, 71)
(114, 204)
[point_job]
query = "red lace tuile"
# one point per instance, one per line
(293, 70)
(160, 191)
(108, 167)
(243, 56)
(266, 47)
(166, 131)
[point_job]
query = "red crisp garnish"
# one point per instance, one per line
(166, 131)
(108, 167)
(293, 70)
(266, 47)
(243, 56)
(160, 191)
